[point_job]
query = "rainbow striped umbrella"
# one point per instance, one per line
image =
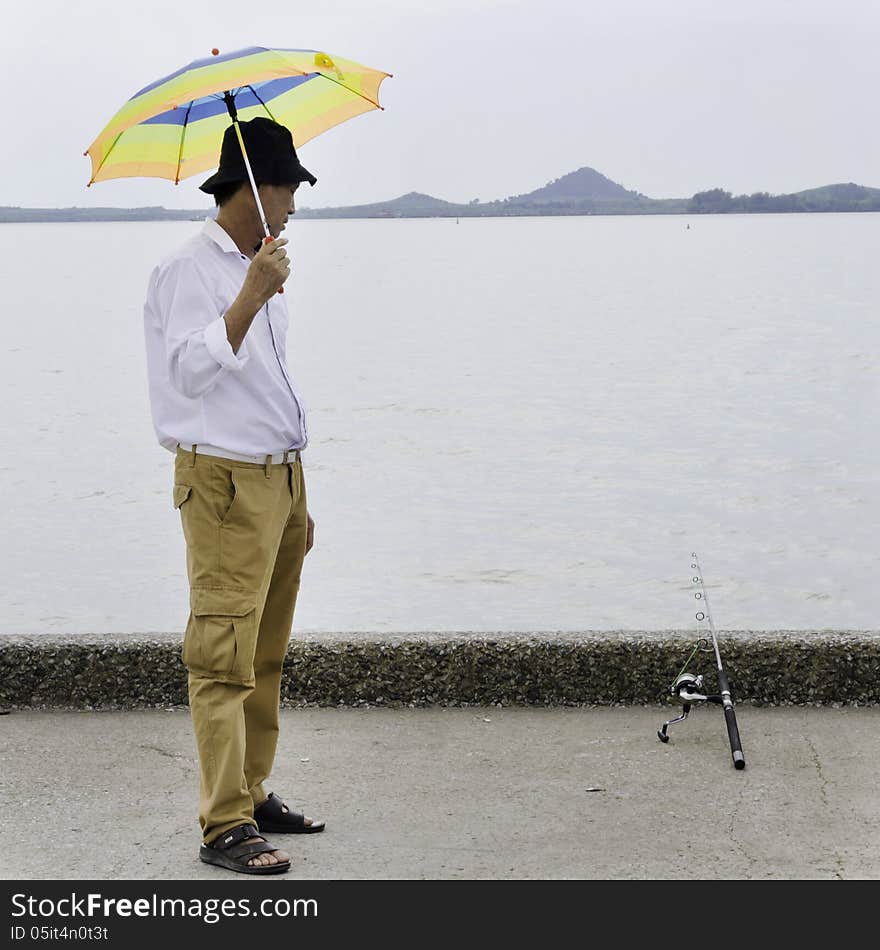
(173, 128)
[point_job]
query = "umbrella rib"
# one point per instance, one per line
(106, 156)
(182, 138)
(339, 82)
(263, 104)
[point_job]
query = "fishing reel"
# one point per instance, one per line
(686, 690)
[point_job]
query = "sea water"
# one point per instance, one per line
(516, 424)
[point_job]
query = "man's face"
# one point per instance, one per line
(278, 204)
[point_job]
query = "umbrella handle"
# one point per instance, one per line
(266, 240)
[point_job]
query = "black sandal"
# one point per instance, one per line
(229, 851)
(275, 817)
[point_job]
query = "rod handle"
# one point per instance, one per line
(736, 750)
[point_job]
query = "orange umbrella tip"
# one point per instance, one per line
(215, 51)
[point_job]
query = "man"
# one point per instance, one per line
(224, 401)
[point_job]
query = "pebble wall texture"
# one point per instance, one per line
(422, 669)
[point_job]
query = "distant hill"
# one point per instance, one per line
(583, 183)
(584, 191)
(411, 205)
(847, 192)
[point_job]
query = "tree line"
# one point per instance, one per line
(832, 198)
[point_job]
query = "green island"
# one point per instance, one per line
(581, 192)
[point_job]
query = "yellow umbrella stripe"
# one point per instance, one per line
(166, 147)
(160, 149)
(142, 169)
(305, 126)
(183, 151)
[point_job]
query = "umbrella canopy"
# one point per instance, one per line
(173, 127)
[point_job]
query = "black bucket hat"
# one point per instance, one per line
(271, 154)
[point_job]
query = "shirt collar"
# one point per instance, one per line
(221, 238)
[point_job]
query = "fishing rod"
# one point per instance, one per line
(687, 688)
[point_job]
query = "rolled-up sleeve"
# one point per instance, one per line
(220, 348)
(197, 350)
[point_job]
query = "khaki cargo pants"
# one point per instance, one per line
(245, 528)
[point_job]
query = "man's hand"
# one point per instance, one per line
(310, 533)
(268, 270)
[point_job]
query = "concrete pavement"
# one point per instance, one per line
(441, 793)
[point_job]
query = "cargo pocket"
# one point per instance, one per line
(181, 493)
(221, 634)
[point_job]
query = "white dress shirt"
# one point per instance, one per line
(200, 391)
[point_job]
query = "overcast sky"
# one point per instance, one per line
(488, 98)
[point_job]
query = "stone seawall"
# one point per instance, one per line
(420, 669)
